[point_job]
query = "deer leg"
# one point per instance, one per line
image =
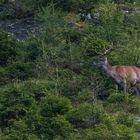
(133, 85)
(124, 86)
(128, 86)
(137, 92)
(116, 87)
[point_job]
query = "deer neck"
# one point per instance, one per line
(108, 68)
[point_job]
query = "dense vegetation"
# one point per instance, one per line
(49, 87)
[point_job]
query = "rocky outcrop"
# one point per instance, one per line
(20, 27)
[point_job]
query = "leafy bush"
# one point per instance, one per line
(85, 116)
(103, 132)
(61, 127)
(9, 48)
(33, 49)
(116, 132)
(21, 70)
(117, 98)
(55, 105)
(121, 102)
(125, 119)
(15, 103)
(67, 97)
(3, 76)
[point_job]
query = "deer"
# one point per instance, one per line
(124, 76)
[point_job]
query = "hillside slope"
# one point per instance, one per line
(49, 87)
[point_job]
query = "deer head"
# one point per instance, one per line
(102, 60)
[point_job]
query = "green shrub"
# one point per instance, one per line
(4, 79)
(33, 49)
(19, 130)
(103, 132)
(21, 70)
(15, 104)
(136, 126)
(134, 106)
(125, 119)
(39, 88)
(60, 126)
(117, 132)
(9, 48)
(120, 102)
(55, 105)
(85, 96)
(95, 46)
(117, 98)
(85, 116)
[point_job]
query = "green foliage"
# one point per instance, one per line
(20, 70)
(3, 76)
(102, 131)
(117, 98)
(19, 130)
(54, 106)
(120, 102)
(15, 103)
(61, 127)
(49, 88)
(85, 116)
(118, 132)
(9, 48)
(95, 46)
(33, 50)
(52, 21)
(125, 119)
